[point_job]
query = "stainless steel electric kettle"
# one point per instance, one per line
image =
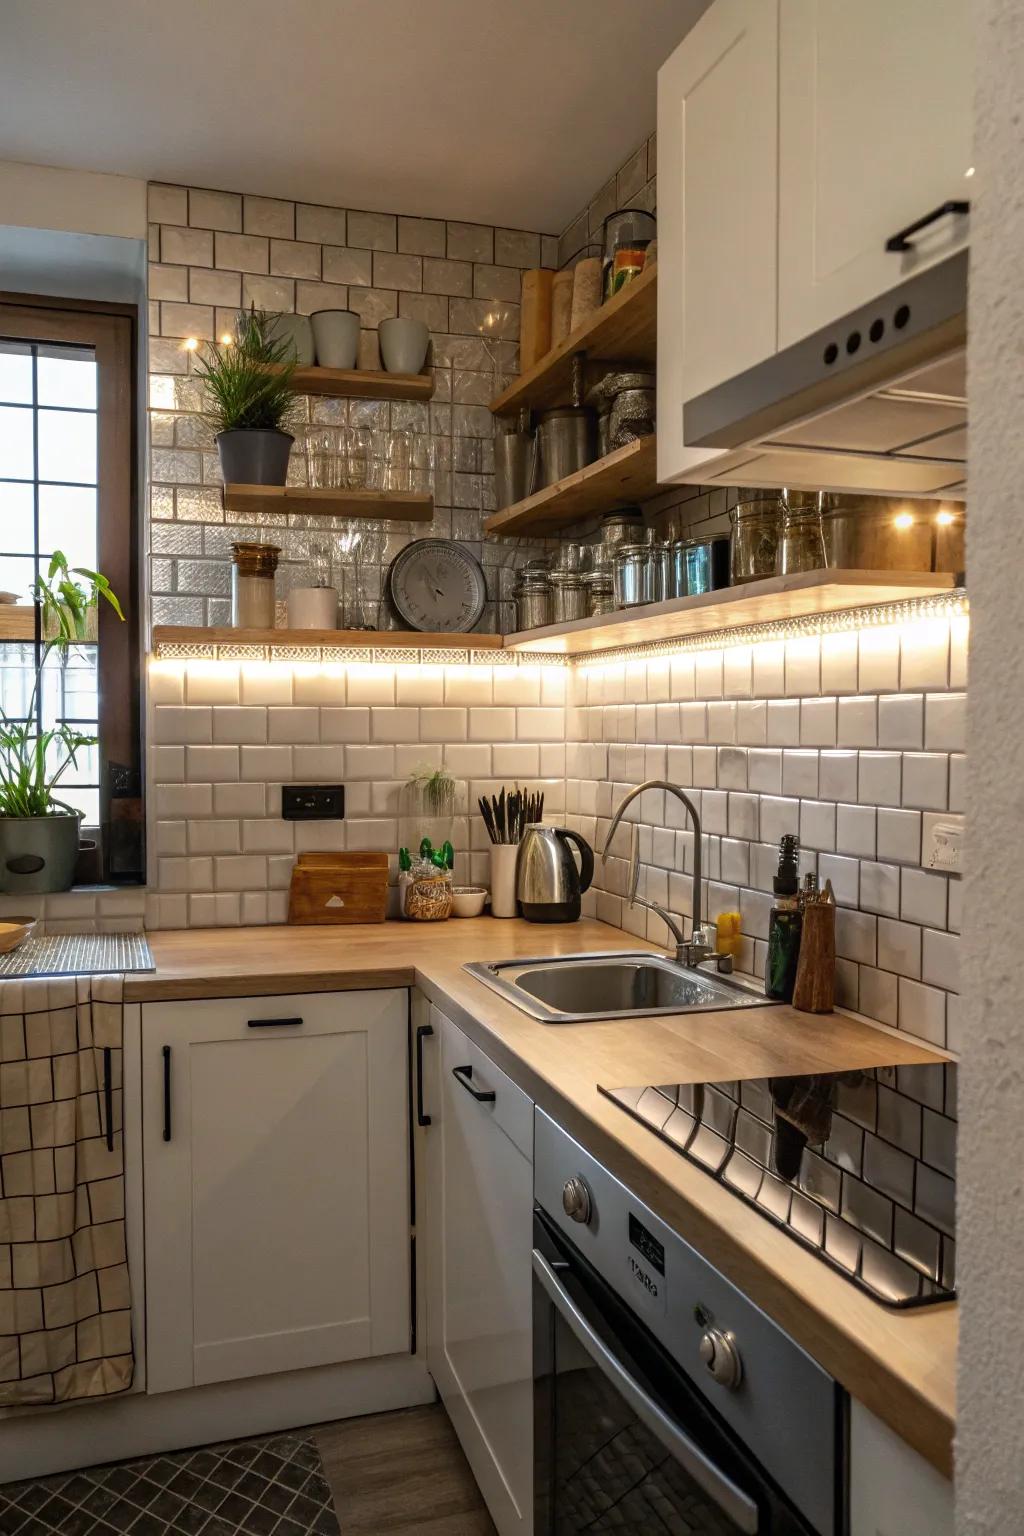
(548, 884)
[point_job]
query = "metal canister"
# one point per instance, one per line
(661, 572)
(533, 599)
(569, 598)
(600, 585)
(634, 575)
(565, 443)
(700, 565)
(622, 527)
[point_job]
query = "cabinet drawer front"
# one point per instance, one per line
(510, 1109)
(313, 1012)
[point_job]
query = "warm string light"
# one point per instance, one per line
(190, 343)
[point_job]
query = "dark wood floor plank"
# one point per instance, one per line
(401, 1472)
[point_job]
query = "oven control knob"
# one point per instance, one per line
(722, 1358)
(576, 1200)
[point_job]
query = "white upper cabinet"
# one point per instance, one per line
(874, 133)
(717, 211)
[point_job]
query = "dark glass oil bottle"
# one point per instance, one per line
(785, 924)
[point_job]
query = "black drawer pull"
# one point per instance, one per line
(108, 1095)
(421, 1034)
(273, 1023)
(463, 1074)
(901, 240)
(167, 1092)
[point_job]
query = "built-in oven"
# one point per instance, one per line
(665, 1401)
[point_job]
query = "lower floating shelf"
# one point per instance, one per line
(395, 506)
(626, 474)
(757, 602)
(211, 640)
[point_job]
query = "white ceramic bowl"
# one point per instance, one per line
(468, 900)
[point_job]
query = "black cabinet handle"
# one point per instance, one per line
(273, 1023)
(167, 1092)
(108, 1095)
(421, 1034)
(901, 241)
(463, 1074)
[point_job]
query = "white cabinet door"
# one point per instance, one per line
(717, 211)
(479, 1238)
(893, 1490)
(874, 132)
(276, 1184)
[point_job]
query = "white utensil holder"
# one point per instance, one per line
(503, 879)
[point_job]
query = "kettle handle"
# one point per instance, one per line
(586, 855)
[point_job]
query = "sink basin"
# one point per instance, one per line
(576, 988)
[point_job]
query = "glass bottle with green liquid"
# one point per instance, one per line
(785, 924)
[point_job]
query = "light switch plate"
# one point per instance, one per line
(942, 842)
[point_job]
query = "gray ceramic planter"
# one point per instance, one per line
(38, 853)
(254, 455)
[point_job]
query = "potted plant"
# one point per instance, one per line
(248, 382)
(39, 834)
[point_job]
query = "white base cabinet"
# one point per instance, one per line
(893, 1490)
(478, 1219)
(276, 1169)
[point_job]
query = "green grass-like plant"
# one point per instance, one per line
(29, 767)
(248, 381)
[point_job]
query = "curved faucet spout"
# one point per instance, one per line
(680, 794)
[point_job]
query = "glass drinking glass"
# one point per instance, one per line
(322, 458)
(398, 461)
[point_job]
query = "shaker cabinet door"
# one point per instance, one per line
(479, 1297)
(717, 211)
(875, 127)
(276, 1184)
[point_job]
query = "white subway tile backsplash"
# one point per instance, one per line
(839, 663)
(168, 764)
(856, 935)
(264, 682)
(214, 836)
(323, 683)
(764, 770)
(940, 960)
(518, 685)
(926, 781)
(267, 835)
(945, 722)
(818, 825)
(879, 661)
(899, 836)
(924, 898)
(957, 783)
(837, 775)
(880, 888)
(922, 1011)
(769, 669)
(240, 872)
(778, 816)
(693, 722)
(818, 722)
(265, 764)
(924, 655)
(879, 778)
(212, 682)
(803, 667)
(351, 724)
(855, 830)
(783, 723)
(732, 768)
(388, 724)
(800, 773)
(239, 800)
(242, 725)
(371, 685)
(844, 874)
(879, 995)
(901, 721)
(899, 945)
(857, 721)
(211, 765)
(181, 725)
(752, 722)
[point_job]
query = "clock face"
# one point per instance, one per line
(436, 584)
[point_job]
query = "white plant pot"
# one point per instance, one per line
(336, 337)
(503, 879)
(403, 344)
(312, 608)
(297, 330)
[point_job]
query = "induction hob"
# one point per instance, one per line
(857, 1166)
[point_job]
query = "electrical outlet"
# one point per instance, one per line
(942, 842)
(312, 802)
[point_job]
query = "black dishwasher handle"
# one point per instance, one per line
(273, 1023)
(901, 240)
(463, 1075)
(422, 1118)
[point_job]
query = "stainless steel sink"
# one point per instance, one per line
(616, 985)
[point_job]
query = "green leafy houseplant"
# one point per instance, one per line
(34, 758)
(248, 384)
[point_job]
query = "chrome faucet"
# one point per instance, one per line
(698, 947)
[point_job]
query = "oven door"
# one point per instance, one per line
(623, 1442)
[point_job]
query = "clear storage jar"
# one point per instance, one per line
(252, 585)
(801, 542)
(756, 525)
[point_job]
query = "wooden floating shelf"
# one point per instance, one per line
(17, 621)
(358, 639)
(363, 384)
(626, 475)
(398, 506)
(757, 602)
(623, 330)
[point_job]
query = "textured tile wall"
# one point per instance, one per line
(211, 252)
(845, 740)
(634, 185)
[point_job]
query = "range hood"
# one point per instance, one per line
(874, 403)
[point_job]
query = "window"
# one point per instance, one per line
(67, 482)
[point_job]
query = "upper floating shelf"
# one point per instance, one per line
(623, 330)
(396, 506)
(628, 474)
(756, 602)
(363, 383)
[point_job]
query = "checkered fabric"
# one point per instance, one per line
(65, 1318)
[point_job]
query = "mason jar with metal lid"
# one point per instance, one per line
(533, 599)
(756, 524)
(252, 585)
(568, 597)
(600, 585)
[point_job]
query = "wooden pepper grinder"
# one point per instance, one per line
(814, 991)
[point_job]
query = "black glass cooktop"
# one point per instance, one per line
(857, 1166)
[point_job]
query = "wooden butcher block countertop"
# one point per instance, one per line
(900, 1364)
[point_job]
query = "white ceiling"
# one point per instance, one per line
(503, 111)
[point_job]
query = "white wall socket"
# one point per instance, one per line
(942, 842)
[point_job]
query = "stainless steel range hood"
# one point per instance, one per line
(876, 402)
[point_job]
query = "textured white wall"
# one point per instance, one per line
(990, 1463)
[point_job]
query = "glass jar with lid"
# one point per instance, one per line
(754, 538)
(532, 596)
(252, 585)
(801, 541)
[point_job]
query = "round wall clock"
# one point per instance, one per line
(437, 584)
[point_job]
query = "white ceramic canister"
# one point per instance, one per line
(297, 331)
(503, 879)
(313, 608)
(336, 337)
